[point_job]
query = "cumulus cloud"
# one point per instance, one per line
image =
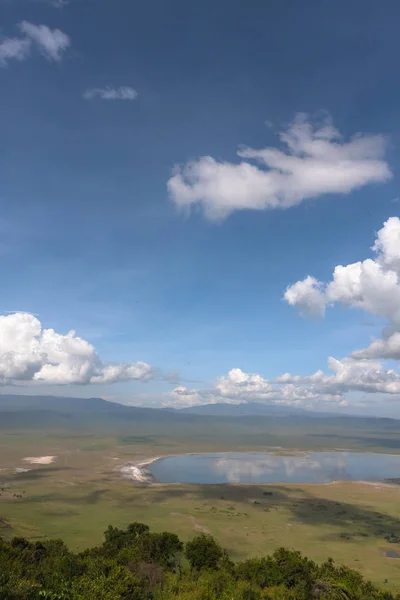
(289, 390)
(238, 384)
(347, 375)
(29, 353)
(110, 93)
(50, 42)
(387, 348)
(309, 297)
(387, 245)
(239, 387)
(183, 396)
(316, 160)
(372, 285)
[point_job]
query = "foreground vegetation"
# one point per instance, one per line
(135, 564)
(82, 491)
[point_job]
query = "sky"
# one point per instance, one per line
(200, 203)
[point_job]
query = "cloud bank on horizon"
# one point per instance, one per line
(32, 354)
(372, 285)
(316, 160)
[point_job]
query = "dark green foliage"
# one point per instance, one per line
(137, 529)
(203, 552)
(138, 544)
(262, 571)
(136, 564)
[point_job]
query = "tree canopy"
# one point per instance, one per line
(137, 564)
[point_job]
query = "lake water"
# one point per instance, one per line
(263, 467)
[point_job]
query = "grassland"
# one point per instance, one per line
(82, 492)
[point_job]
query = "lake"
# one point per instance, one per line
(264, 467)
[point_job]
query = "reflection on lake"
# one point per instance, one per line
(263, 467)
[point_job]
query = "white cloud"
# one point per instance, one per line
(50, 42)
(372, 285)
(112, 373)
(110, 93)
(183, 396)
(387, 245)
(294, 390)
(388, 348)
(239, 387)
(316, 161)
(312, 391)
(348, 375)
(14, 49)
(29, 353)
(238, 384)
(308, 296)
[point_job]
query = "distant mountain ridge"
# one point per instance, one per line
(14, 402)
(225, 409)
(210, 427)
(66, 404)
(60, 410)
(20, 411)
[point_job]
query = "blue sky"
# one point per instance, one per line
(92, 241)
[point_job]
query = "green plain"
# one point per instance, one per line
(82, 492)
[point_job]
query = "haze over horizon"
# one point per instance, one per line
(200, 203)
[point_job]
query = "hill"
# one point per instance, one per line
(59, 411)
(256, 423)
(16, 402)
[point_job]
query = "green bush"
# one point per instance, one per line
(203, 552)
(136, 564)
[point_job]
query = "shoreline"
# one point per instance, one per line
(138, 473)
